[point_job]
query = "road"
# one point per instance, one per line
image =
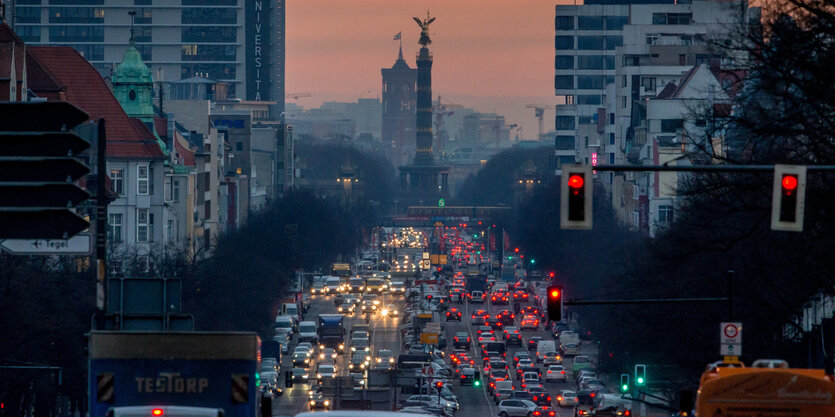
(384, 335)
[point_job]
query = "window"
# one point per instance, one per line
(239, 146)
(213, 71)
(142, 180)
(142, 224)
(611, 118)
(201, 15)
(671, 125)
(29, 33)
(590, 62)
(83, 33)
(75, 15)
(171, 232)
(591, 99)
(613, 42)
(28, 15)
(117, 180)
(701, 122)
(652, 38)
(564, 82)
(564, 62)
(143, 17)
(209, 34)
(90, 52)
(564, 42)
(623, 102)
(671, 18)
(151, 227)
(665, 213)
(142, 34)
(564, 160)
(114, 227)
(590, 43)
(210, 2)
(610, 62)
(611, 138)
(144, 51)
(648, 83)
(208, 53)
(631, 61)
(169, 189)
(565, 122)
(176, 191)
(564, 23)
(591, 82)
(616, 22)
(611, 158)
(590, 22)
(564, 142)
(623, 81)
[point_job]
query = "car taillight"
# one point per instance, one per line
(549, 398)
(627, 413)
(535, 398)
(562, 372)
(559, 398)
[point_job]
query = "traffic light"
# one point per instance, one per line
(552, 274)
(788, 199)
(555, 303)
(477, 379)
(624, 382)
(439, 385)
(640, 375)
(39, 156)
(576, 197)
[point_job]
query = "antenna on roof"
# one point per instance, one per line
(132, 14)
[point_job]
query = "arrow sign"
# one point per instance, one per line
(45, 224)
(79, 244)
(40, 195)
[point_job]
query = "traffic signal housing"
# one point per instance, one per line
(789, 198)
(576, 197)
(555, 304)
(624, 382)
(477, 379)
(640, 375)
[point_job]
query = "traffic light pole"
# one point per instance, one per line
(101, 226)
(649, 301)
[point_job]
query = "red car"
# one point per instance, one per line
(453, 314)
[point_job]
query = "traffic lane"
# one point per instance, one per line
(473, 400)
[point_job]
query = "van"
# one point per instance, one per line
(290, 309)
(544, 347)
(506, 384)
(308, 332)
(569, 337)
(494, 347)
(477, 297)
(612, 402)
(284, 325)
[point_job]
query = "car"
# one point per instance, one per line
(529, 322)
(521, 295)
(567, 398)
(519, 355)
(571, 349)
(581, 362)
(529, 378)
(496, 364)
(551, 358)
(499, 298)
(360, 344)
(301, 359)
(325, 371)
(480, 317)
(385, 359)
(477, 297)
(544, 411)
(318, 401)
(269, 364)
(300, 375)
(461, 340)
(540, 396)
(533, 342)
(482, 329)
(590, 383)
(346, 309)
(506, 318)
(555, 373)
(513, 338)
(502, 394)
(318, 288)
(453, 314)
(522, 370)
(359, 360)
(516, 407)
(328, 353)
(433, 399)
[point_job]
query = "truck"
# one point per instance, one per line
(341, 270)
(569, 337)
(189, 370)
(332, 332)
(476, 283)
(509, 273)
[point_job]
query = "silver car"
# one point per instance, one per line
(516, 408)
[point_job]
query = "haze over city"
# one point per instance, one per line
(495, 56)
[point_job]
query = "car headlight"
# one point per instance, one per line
(350, 366)
(391, 360)
(341, 346)
(321, 346)
(353, 349)
(312, 402)
(384, 311)
(318, 375)
(366, 349)
(306, 360)
(327, 403)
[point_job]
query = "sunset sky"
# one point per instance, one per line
(493, 55)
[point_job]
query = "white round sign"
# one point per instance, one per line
(731, 331)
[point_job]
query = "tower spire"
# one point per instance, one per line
(132, 14)
(400, 53)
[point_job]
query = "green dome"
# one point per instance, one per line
(132, 69)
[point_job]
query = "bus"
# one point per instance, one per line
(769, 388)
(341, 270)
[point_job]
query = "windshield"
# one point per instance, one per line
(307, 328)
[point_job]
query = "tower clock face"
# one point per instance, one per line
(132, 95)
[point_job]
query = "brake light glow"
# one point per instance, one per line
(157, 411)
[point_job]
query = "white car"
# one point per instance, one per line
(555, 373)
(516, 408)
(567, 399)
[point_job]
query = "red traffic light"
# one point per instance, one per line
(789, 182)
(516, 250)
(552, 274)
(575, 181)
(555, 293)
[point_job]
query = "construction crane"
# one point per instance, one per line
(539, 113)
(296, 96)
(441, 111)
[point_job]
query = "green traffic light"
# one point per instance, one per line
(533, 261)
(477, 383)
(624, 387)
(640, 380)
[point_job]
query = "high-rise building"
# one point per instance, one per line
(399, 110)
(237, 42)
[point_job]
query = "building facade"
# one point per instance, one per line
(399, 110)
(237, 42)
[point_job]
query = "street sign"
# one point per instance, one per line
(80, 244)
(429, 338)
(730, 333)
(39, 167)
(441, 202)
(730, 350)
